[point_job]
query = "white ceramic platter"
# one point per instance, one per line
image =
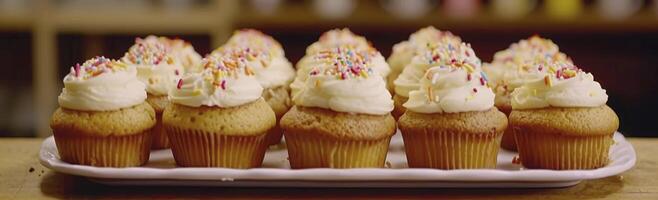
(275, 172)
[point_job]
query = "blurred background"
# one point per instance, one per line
(616, 40)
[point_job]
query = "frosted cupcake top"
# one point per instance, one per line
(373, 57)
(447, 52)
(451, 88)
(183, 52)
(266, 57)
(269, 71)
(257, 40)
(563, 85)
(226, 81)
(156, 65)
(101, 84)
(346, 82)
(511, 66)
(332, 39)
(338, 38)
(404, 51)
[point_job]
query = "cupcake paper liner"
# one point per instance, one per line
(315, 151)
(196, 148)
(561, 152)
(448, 150)
(274, 136)
(104, 151)
(160, 139)
(508, 142)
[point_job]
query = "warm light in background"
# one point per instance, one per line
(615, 39)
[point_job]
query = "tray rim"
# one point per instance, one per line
(346, 175)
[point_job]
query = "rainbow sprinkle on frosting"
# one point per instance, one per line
(218, 68)
(256, 40)
(148, 52)
(95, 67)
(345, 63)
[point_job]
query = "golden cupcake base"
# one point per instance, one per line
(561, 152)
(448, 150)
(204, 149)
(104, 151)
(314, 151)
(160, 139)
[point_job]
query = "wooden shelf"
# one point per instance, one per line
(373, 16)
(16, 19)
(103, 21)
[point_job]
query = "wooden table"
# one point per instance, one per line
(22, 177)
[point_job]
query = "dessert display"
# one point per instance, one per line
(217, 117)
(158, 69)
(452, 51)
(450, 120)
(336, 110)
(103, 119)
(332, 40)
(271, 68)
(341, 117)
(561, 121)
(513, 66)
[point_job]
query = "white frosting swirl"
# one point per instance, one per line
(564, 86)
(270, 71)
(345, 83)
(225, 82)
(451, 89)
(101, 84)
(320, 59)
(185, 53)
(256, 39)
(522, 61)
(338, 38)
(366, 96)
(404, 51)
(438, 54)
(156, 66)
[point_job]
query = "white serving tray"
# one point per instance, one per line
(275, 172)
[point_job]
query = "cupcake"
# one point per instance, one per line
(217, 117)
(103, 119)
(450, 121)
(183, 52)
(334, 40)
(561, 120)
(158, 69)
(404, 51)
(272, 70)
(341, 118)
(511, 67)
(445, 51)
